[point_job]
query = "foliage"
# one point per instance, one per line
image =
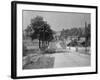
(41, 29)
(50, 50)
(73, 43)
(79, 32)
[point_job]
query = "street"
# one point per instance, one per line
(71, 59)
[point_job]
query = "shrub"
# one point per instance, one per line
(50, 51)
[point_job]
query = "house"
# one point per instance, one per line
(72, 38)
(81, 40)
(57, 35)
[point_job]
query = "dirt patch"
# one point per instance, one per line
(42, 62)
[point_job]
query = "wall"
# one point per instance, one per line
(5, 40)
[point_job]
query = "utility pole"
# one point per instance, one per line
(85, 36)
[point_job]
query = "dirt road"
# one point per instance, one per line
(71, 60)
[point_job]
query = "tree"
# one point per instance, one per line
(42, 31)
(87, 35)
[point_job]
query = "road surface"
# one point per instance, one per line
(71, 59)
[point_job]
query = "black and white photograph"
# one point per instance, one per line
(53, 39)
(56, 39)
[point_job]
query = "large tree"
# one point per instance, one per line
(42, 31)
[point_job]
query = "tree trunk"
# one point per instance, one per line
(76, 49)
(85, 49)
(39, 44)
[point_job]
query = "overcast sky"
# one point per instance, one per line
(58, 20)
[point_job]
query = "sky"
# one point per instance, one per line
(58, 20)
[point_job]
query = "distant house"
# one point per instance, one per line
(57, 35)
(81, 40)
(72, 38)
(75, 38)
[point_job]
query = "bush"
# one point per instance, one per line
(73, 43)
(50, 51)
